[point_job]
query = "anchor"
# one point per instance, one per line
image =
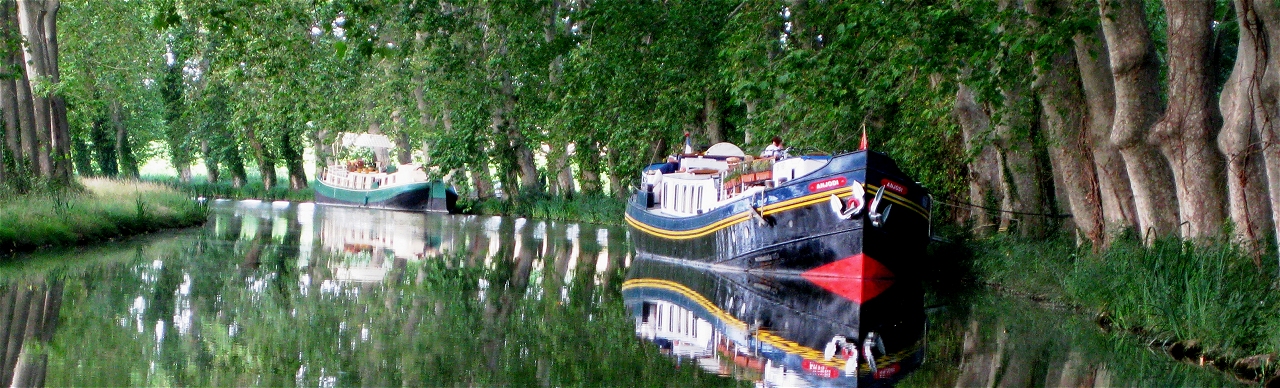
(851, 207)
(877, 218)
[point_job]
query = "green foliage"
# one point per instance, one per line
(1211, 293)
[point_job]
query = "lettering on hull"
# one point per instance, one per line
(828, 184)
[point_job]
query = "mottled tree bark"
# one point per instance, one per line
(61, 128)
(7, 300)
(984, 169)
(1136, 71)
(1269, 15)
(8, 91)
(16, 330)
(1244, 121)
(1185, 133)
(31, 22)
(22, 91)
(1113, 180)
(517, 141)
(1020, 188)
(558, 163)
(481, 179)
(9, 111)
(1063, 106)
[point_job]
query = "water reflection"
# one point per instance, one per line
(779, 330)
(284, 294)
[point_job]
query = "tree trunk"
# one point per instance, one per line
(266, 162)
(31, 16)
(524, 152)
(16, 330)
(1062, 102)
(615, 175)
(481, 179)
(4, 157)
(1020, 189)
(210, 162)
(405, 151)
(292, 155)
(588, 157)
(26, 113)
(324, 150)
(124, 152)
(711, 116)
(233, 159)
(61, 128)
(561, 183)
(380, 155)
(1185, 132)
(1269, 17)
(984, 169)
(1113, 180)
(9, 111)
(8, 91)
(564, 177)
(1135, 70)
(1244, 118)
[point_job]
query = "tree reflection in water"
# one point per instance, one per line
(274, 294)
(295, 294)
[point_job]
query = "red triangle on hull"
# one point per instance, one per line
(858, 278)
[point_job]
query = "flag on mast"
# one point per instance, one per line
(862, 145)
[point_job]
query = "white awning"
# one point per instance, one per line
(372, 141)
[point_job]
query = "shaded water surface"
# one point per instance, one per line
(298, 294)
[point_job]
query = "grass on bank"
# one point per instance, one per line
(104, 209)
(1213, 295)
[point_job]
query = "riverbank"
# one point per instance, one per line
(594, 209)
(1210, 305)
(254, 189)
(105, 209)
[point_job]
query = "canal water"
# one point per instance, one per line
(284, 294)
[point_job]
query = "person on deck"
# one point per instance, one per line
(774, 150)
(671, 166)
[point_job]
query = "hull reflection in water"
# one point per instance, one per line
(373, 242)
(779, 330)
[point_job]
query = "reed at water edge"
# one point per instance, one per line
(254, 189)
(99, 210)
(1210, 301)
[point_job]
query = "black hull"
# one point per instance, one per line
(792, 228)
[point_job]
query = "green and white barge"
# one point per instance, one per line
(405, 188)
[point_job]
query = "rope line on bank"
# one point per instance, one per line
(959, 204)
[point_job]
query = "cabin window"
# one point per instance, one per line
(666, 196)
(699, 195)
